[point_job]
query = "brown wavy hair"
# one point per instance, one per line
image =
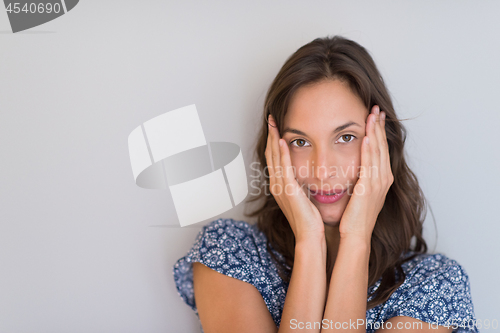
(399, 225)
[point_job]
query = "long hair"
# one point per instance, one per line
(399, 225)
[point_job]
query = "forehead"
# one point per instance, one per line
(325, 104)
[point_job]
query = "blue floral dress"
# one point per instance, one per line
(436, 289)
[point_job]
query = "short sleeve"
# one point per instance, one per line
(224, 245)
(438, 292)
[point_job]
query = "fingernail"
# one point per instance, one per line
(383, 115)
(374, 118)
(377, 109)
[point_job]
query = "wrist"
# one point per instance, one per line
(363, 243)
(315, 243)
(308, 234)
(311, 238)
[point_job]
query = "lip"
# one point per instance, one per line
(328, 199)
(321, 192)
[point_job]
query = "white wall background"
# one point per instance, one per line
(83, 249)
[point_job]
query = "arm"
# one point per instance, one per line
(346, 305)
(226, 304)
(305, 297)
(346, 302)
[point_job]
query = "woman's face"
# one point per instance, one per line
(325, 154)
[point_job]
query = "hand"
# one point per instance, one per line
(373, 184)
(304, 218)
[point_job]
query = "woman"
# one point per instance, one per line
(338, 242)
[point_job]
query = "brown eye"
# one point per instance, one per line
(346, 136)
(299, 142)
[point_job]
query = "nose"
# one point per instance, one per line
(323, 164)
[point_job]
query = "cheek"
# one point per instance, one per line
(348, 166)
(354, 162)
(300, 166)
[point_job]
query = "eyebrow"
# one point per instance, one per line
(338, 129)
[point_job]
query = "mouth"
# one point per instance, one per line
(324, 192)
(328, 197)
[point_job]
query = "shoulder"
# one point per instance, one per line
(436, 290)
(228, 242)
(228, 228)
(227, 246)
(435, 270)
(236, 249)
(220, 246)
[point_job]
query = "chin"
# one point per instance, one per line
(330, 218)
(332, 223)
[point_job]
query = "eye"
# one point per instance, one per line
(301, 141)
(347, 135)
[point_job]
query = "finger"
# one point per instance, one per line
(379, 130)
(384, 147)
(383, 140)
(365, 157)
(374, 172)
(366, 154)
(383, 137)
(275, 152)
(269, 155)
(286, 163)
(387, 157)
(273, 180)
(381, 145)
